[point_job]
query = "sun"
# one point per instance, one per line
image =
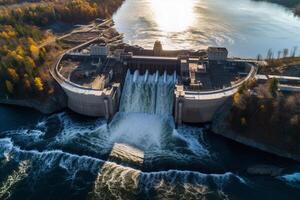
(173, 15)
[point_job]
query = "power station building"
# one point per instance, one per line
(217, 54)
(204, 82)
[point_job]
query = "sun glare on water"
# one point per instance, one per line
(173, 15)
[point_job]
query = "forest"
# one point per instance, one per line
(293, 4)
(262, 113)
(23, 61)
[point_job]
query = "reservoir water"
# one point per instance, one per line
(247, 28)
(140, 154)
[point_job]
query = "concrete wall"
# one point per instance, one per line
(197, 111)
(94, 104)
(152, 64)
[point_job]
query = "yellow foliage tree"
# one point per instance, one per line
(237, 98)
(20, 50)
(31, 41)
(15, 56)
(29, 64)
(13, 75)
(34, 50)
(9, 86)
(38, 84)
(27, 84)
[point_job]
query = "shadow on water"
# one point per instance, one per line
(12, 117)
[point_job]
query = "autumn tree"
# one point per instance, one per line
(38, 84)
(13, 75)
(273, 86)
(9, 86)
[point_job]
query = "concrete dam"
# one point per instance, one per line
(191, 86)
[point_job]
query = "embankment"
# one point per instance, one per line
(53, 103)
(221, 127)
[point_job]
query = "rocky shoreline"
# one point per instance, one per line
(52, 104)
(221, 127)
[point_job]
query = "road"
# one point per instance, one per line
(81, 29)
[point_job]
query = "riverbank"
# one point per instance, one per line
(52, 104)
(292, 4)
(221, 126)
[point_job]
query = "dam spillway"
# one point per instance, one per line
(148, 93)
(146, 106)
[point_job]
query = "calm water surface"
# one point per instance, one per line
(246, 28)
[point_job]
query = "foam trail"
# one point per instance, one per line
(12, 180)
(155, 185)
(156, 76)
(72, 163)
(146, 76)
(291, 179)
(135, 77)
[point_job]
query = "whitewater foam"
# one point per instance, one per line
(291, 179)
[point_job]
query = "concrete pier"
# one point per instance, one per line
(92, 102)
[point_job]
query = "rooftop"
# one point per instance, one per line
(217, 49)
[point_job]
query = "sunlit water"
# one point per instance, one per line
(139, 155)
(247, 28)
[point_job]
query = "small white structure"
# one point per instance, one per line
(217, 54)
(99, 50)
(202, 68)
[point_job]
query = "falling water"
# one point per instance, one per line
(148, 93)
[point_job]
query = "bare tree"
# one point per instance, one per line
(279, 55)
(285, 53)
(259, 57)
(294, 50)
(270, 54)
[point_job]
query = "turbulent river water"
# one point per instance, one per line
(245, 27)
(139, 155)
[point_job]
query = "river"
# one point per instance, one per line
(139, 155)
(247, 28)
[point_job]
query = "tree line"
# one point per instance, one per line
(293, 4)
(261, 112)
(72, 11)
